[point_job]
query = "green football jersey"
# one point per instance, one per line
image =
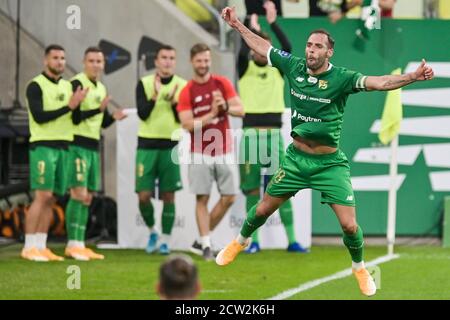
(317, 102)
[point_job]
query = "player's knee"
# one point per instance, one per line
(254, 192)
(168, 197)
(78, 194)
(144, 197)
(45, 197)
(202, 200)
(88, 199)
(350, 227)
(262, 210)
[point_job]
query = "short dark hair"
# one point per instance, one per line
(92, 49)
(164, 47)
(325, 32)
(198, 48)
(178, 277)
(53, 47)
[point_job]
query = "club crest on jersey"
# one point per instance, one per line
(60, 97)
(312, 80)
(323, 84)
(282, 53)
(263, 75)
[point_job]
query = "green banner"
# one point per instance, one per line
(424, 142)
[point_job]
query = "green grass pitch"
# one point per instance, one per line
(421, 272)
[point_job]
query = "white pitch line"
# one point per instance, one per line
(339, 275)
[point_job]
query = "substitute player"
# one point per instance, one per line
(84, 156)
(262, 92)
(50, 103)
(156, 99)
(319, 92)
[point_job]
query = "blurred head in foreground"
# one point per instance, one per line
(178, 279)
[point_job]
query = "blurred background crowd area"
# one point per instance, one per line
(400, 9)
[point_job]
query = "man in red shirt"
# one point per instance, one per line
(387, 7)
(204, 106)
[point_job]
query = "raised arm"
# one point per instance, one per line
(392, 82)
(255, 42)
(271, 17)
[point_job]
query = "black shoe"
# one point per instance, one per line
(196, 248)
(207, 254)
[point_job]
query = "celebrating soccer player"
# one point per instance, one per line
(318, 92)
(262, 92)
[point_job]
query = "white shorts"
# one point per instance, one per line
(202, 173)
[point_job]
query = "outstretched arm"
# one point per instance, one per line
(255, 42)
(391, 82)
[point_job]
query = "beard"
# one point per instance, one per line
(201, 72)
(316, 64)
(56, 72)
(96, 73)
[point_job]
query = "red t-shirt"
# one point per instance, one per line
(215, 138)
(386, 13)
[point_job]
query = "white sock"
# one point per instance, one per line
(71, 243)
(80, 244)
(165, 238)
(41, 240)
(358, 265)
(241, 240)
(205, 241)
(30, 240)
